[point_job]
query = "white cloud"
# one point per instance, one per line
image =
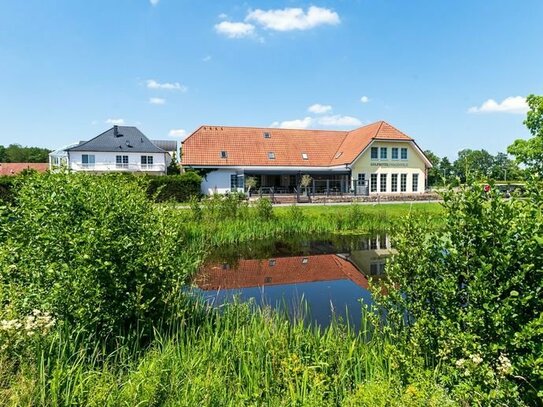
(512, 104)
(157, 101)
(207, 58)
(317, 108)
(364, 99)
(289, 19)
(235, 29)
(154, 2)
(223, 16)
(294, 124)
(181, 133)
(118, 122)
(152, 84)
(339, 121)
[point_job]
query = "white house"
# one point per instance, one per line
(374, 159)
(119, 149)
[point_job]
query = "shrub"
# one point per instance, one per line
(264, 209)
(91, 250)
(6, 188)
(470, 296)
(179, 188)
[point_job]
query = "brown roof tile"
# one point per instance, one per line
(15, 168)
(278, 271)
(247, 146)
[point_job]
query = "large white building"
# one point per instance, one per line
(374, 159)
(119, 149)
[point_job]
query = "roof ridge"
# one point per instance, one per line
(271, 128)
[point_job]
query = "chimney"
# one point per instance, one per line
(115, 131)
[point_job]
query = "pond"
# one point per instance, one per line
(328, 275)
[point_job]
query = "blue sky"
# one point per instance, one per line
(451, 74)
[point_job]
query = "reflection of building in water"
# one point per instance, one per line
(370, 259)
(279, 271)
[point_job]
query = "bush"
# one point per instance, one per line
(179, 188)
(471, 296)
(264, 209)
(91, 250)
(6, 188)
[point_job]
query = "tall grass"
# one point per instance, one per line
(238, 356)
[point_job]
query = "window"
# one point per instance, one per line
(224, 154)
(272, 262)
(121, 161)
(271, 155)
(374, 153)
(304, 156)
(146, 160)
(267, 135)
(394, 183)
(404, 153)
(384, 153)
(403, 182)
(305, 260)
(338, 154)
(394, 153)
(383, 183)
(361, 179)
(87, 160)
(236, 182)
(373, 186)
(415, 182)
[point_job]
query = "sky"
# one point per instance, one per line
(450, 74)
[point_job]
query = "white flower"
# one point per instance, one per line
(504, 365)
(476, 359)
(460, 362)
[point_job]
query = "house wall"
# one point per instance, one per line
(217, 182)
(413, 165)
(106, 162)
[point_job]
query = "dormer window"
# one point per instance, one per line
(271, 155)
(267, 135)
(224, 154)
(304, 156)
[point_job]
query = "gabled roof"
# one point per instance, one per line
(248, 146)
(280, 270)
(126, 139)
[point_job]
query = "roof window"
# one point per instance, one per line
(304, 156)
(224, 154)
(338, 154)
(271, 155)
(305, 260)
(272, 262)
(267, 135)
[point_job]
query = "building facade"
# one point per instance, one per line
(119, 149)
(374, 159)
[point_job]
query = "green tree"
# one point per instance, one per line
(434, 175)
(530, 152)
(15, 153)
(473, 164)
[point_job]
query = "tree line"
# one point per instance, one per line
(15, 153)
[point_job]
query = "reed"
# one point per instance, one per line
(240, 355)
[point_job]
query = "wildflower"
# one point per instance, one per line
(477, 359)
(504, 365)
(460, 362)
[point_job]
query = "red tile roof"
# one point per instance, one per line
(15, 168)
(285, 270)
(247, 146)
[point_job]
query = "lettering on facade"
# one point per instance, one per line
(389, 164)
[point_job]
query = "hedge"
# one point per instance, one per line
(179, 188)
(6, 188)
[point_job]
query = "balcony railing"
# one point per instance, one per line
(118, 167)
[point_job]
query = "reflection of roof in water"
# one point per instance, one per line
(278, 271)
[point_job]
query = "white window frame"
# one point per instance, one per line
(383, 182)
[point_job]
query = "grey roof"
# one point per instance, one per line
(128, 139)
(166, 145)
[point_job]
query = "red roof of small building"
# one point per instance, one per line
(15, 168)
(279, 271)
(247, 146)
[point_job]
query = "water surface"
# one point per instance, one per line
(328, 274)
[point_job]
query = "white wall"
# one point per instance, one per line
(217, 182)
(106, 161)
